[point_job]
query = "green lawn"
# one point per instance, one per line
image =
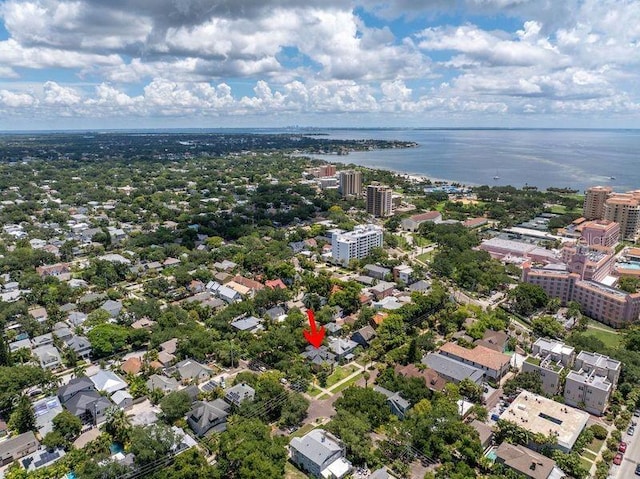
(313, 391)
(339, 374)
(595, 445)
(346, 384)
(303, 430)
(589, 455)
(291, 472)
(426, 257)
(593, 322)
(585, 463)
(420, 241)
(609, 338)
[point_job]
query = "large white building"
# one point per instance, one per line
(355, 244)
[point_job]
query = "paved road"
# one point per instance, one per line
(631, 457)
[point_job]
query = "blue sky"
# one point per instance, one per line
(230, 63)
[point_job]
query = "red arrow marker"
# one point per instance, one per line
(315, 336)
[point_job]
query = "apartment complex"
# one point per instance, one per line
(355, 244)
(600, 233)
(594, 200)
(592, 381)
(548, 359)
(379, 200)
(624, 208)
(598, 301)
(326, 170)
(350, 183)
(589, 262)
(601, 203)
(493, 363)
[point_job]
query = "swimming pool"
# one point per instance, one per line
(491, 455)
(629, 265)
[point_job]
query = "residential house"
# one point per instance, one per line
(108, 381)
(399, 406)
(548, 360)
(45, 410)
(112, 307)
(20, 344)
(62, 271)
(382, 473)
(382, 289)
(413, 222)
(277, 313)
(133, 365)
(453, 370)
(239, 393)
(76, 318)
(485, 432)
(39, 314)
(342, 348)
(206, 417)
(17, 447)
(253, 285)
(249, 324)
(496, 340)
(80, 345)
(228, 294)
(320, 454)
(73, 387)
(41, 458)
(170, 262)
(163, 383)
(432, 379)
(62, 331)
(191, 370)
(275, 284)
(528, 463)
(403, 273)
(377, 272)
(333, 329)
(318, 357)
(143, 323)
(494, 364)
(42, 340)
(88, 405)
(364, 336)
(122, 399)
(48, 356)
(224, 265)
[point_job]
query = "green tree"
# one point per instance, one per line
(117, 424)
(529, 381)
(149, 443)
(107, 339)
(247, 451)
(294, 410)
(22, 418)
(175, 405)
(547, 326)
(68, 425)
(528, 298)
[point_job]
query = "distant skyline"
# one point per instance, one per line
(121, 64)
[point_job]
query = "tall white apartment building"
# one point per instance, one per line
(591, 383)
(355, 244)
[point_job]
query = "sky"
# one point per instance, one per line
(92, 64)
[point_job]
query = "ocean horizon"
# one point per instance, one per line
(571, 158)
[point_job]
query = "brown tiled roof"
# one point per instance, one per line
(248, 283)
(432, 379)
(429, 215)
(132, 366)
(479, 355)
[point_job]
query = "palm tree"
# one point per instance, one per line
(117, 424)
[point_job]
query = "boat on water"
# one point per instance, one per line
(496, 177)
(612, 177)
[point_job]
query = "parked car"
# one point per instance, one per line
(636, 413)
(622, 447)
(638, 470)
(631, 431)
(618, 459)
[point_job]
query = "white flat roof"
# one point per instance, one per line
(541, 415)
